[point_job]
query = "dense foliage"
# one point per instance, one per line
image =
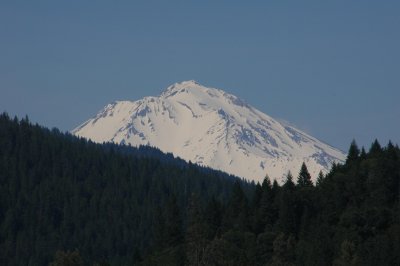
(66, 201)
(59, 192)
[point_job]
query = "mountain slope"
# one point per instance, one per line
(58, 192)
(213, 128)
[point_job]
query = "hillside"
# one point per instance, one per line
(59, 192)
(69, 201)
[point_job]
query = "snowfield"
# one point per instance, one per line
(212, 128)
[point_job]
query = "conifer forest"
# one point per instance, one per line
(68, 201)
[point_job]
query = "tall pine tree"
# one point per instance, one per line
(353, 153)
(304, 178)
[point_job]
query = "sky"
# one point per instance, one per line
(331, 68)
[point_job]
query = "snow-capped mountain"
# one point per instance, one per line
(212, 128)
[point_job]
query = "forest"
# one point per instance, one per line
(68, 201)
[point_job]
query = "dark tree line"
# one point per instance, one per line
(67, 201)
(62, 193)
(350, 217)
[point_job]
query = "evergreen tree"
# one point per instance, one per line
(173, 223)
(375, 149)
(213, 218)
(363, 154)
(353, 153)
(320, 178)
(236, 215)
(196, 233)
(257, 197)
(275, 187)
(289, 184)
(266, 184)
(266, 214)
(257, 219)
(159, 229)
(304, 178)
(287, 222)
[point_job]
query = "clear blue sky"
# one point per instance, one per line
(332, 69)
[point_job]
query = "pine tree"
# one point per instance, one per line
(266, 184)
(289, 184)
(171, 251)
(304, 178)
(158, 229)
(353, 153)
(173, 223)
(287, 216)
(391, 151)
(375, 149)
(257, 223)
(257, 197)
(236, 215)
(320, 178)
(213, 217)
(266, 212)
(363, 154)
(196, 233)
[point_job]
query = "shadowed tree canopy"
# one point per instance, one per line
(120, 205)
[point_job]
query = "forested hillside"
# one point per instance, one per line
(350, 217)
(66, 200)
(58, 192)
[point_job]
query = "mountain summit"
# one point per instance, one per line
(212, 128)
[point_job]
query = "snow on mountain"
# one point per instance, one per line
(212, 128)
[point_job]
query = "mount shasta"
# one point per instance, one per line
(212, 128)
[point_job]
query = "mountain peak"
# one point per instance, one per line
(182, 87)
(189, 83)
(212, 128)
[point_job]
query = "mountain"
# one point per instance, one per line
(213, 128)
